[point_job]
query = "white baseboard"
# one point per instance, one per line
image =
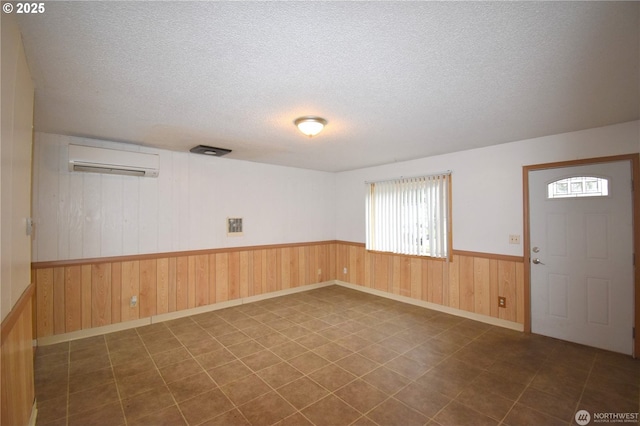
(434, 306)
(90, 332)
(236, 302)
(287, 291)
(97, 331)
(195, 311)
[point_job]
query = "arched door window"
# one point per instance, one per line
(578, 186)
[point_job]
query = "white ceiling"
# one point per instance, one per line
(396, 81)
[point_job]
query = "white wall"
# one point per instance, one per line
(15, 172)
(90, 215)
(486, 182)
(86, 215)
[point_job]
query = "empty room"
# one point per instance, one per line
(320, 213)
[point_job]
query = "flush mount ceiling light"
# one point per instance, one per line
(310, 125)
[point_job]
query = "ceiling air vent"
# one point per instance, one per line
(209, 150)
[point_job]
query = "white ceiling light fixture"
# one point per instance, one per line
(310, 125)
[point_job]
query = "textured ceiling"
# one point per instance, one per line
(396, 81)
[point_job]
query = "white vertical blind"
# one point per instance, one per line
(409, 215)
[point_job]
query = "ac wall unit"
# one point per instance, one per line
(112, 161)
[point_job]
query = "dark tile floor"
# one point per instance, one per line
(330, 356)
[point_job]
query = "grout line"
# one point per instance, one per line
(268, 384)
(235, 407)
(115, 381)
(528, 386)
(157, 369)
(336, 305)
(68, 383)
(584, 386)
(299, 411)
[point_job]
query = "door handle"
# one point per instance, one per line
(537, 261)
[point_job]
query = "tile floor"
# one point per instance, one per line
(330, 356)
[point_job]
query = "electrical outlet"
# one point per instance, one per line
(319, 271)
(344, 270)
(134, 301)
(514, 239)
(502, 302)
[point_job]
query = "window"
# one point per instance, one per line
(410, 216)
(579, 186)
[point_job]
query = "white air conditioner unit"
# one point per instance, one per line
(112, 161)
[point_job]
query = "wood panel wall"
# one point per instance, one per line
(72, 296)
(16, 363)
(470, 281)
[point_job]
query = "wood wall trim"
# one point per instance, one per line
(16, 369)
(635, 173)
(410, 256)
(151, 256)
(350, 243)
(493, 256)
(526, 245)
(581, 162)
(482, 255)
(16, 312)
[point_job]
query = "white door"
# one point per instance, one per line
(581, 234)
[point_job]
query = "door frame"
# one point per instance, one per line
(634, 160)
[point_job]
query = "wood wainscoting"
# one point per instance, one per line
(16, 363)
(470, 282)
(84, 294)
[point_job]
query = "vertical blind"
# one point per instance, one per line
(409, 215)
